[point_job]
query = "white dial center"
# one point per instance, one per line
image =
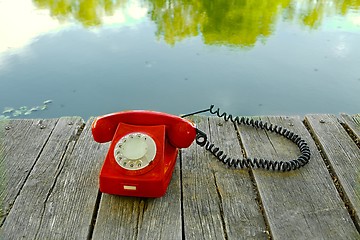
(135, 151)
(134, 148)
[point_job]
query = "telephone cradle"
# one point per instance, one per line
(143, 151)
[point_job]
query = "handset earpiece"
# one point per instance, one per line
(181, 134)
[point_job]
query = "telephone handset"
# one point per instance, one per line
(143, 150)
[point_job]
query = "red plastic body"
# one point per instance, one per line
(168, 132)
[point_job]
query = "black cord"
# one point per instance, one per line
(302, 160)
(197, 112)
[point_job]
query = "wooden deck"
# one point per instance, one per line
(49, 185)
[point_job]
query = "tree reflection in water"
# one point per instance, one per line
(239, 23)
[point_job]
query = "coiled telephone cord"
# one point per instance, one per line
(302, 160)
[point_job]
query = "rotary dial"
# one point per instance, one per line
(135, 151)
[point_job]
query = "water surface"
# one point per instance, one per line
(254, 57)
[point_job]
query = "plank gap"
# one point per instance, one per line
(94, 216)
(142, 208)
(260, 204)
(237, 130)
(78, 132)
(255, 187)
(181, 196)
(333, 175)
(350, 132)
(221, 208)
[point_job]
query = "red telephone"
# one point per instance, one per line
(143, 150)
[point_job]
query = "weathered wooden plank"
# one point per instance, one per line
(218, 202)
(353, 124)
(25, 218)
(163, 214)
(242, 215)
(201, 205)
(70, 205)
(141, 218)
(21, 142)
(302, 204)
(343, 157)
(54, 189)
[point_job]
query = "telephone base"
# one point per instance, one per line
(137, 185)
(150, 181)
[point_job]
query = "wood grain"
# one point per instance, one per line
(70, 206)
(141, 218)
(218, 202)
(161, 218)
(32, 200)
(342, 155)
(49, 185)
(302, 204)
(21, 143)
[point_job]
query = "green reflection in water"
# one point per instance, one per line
(88, 12)
(311, 13)
(225, 22)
